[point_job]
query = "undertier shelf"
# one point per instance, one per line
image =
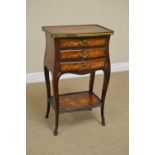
(76, 101)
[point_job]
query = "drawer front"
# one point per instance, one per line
(72, 43)
(82, 66)
(80, 54)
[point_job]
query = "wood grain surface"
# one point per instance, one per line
(70, 43)
(77, 30)
(77, 101)
(81, 66)
(83, 53)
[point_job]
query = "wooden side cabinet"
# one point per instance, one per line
(79, 49)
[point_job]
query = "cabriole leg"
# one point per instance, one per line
(104, 91)
(47, 80)
(56, 102)
(91, 83)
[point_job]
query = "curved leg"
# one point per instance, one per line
(47, 80)
(91, 83)
(104, 91)
(56, 102)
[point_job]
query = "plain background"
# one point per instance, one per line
(113, 14)
(13, 77)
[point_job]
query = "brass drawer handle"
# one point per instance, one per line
(85, 65)
(84, 42)
(84, 54)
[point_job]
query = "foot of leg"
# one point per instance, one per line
(103, 122)
(55, 132)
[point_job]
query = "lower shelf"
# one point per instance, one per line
(76, 101)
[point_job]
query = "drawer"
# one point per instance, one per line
(83, 66)
(85, 53)
(90, 42)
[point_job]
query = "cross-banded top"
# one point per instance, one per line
(77, 31)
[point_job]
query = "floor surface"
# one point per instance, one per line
(80, 133)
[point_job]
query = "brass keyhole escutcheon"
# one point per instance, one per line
(85, 65)
(84, 54)
(84, 42)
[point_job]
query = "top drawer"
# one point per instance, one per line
(90, 42)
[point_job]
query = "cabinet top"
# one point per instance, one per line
(77, 31)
